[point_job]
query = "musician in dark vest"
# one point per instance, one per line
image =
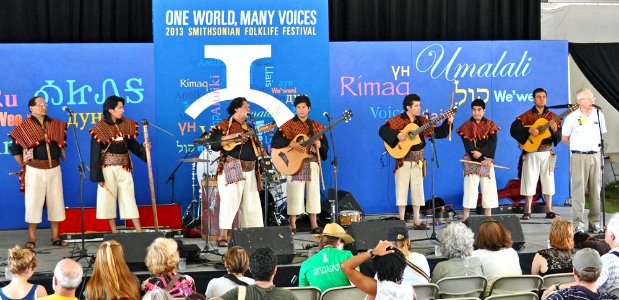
(479, 136)
(38, 143)
(238, 175)
(538, 164)
(111, 165)
(303, 187)
(411, 169)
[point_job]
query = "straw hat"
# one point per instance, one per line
(335, 230)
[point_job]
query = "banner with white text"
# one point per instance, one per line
(373, 79)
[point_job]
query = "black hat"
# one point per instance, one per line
(397, 233)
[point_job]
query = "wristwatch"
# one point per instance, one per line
(557, 286)
(371, 251)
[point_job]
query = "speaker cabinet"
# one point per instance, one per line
(278, 238)
(134, 245)
(368, 233)
(511, 222)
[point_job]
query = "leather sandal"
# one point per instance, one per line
(551, 215)
(420, 226)
(222, 243)
(526, 216)
(60, 243)
(30, 245)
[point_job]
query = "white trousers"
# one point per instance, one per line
(535, 166)
(489, 195)
(297, 190)
(409, 175)
(241, 195)
(44, 186)
(118, 185)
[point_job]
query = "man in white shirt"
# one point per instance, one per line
(581, 132)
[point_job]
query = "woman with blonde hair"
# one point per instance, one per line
(417, 269)
(21, 264)
(236, 261)
(111, 277)
(161, 260)
(557, 258)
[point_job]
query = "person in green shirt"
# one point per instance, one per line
(322, 270)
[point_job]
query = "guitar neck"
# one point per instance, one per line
(557, 117)
(427, 125)
(317, 135)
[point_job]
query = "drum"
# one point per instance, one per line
(347, 217)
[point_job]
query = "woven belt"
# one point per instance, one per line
(115, 159)
(584, 152)
(42, 163)
(414, 156)
(544, 148)
(248, 166)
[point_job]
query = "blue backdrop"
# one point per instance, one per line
(373, 78)
(79, 76)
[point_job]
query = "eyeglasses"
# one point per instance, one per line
(591, 98)
(41, 105)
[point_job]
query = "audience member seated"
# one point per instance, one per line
(389, 263)
(417, 269)
(158, 294)
(67, 278)
(111, 277)
(457, 246)
(236, 261)
(558, 258)
(587, 269)
(609, 276)
(161, 260)
(322, 270)
(498, 259)
(21, 264)
(584, 240)
(263, 266)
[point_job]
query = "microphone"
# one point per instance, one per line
(427, 114)
(327, 115)
(13, 173)
(596, 106)
(249, 115)
(67, 109)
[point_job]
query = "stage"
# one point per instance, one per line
(209, 265)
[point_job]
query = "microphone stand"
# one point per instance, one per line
(334, 202)
(433, 158)
(602, 155)
(171, 176)
(77, 255)
(264, 171)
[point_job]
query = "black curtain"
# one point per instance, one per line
(102, 21)
(600, 64)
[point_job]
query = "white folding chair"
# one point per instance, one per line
(305, 292)
(613, 290)
(345, 292)
(461, 286)
(552, 279)
(516, 284)
(426, 290)
(518, 296)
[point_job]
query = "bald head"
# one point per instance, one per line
(68, 274)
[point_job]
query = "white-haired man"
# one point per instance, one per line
(67, 278)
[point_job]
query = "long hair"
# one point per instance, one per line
(493, 236)
(561, 234)
(111, 277)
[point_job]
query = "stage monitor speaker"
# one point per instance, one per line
(278, 238)
(368, 233)
(511, 222)
(134, 246)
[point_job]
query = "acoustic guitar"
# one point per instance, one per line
(288, 161)
(533, 142)
(229, 145)
(412, 132)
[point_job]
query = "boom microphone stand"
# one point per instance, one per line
(334, 202)
(79, 253)
(433, 236)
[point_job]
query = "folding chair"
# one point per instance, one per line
(461, 286)
(552, 279)
(516, 284)
(426, 290)
(613, 290)
(345, 292)
(305, 292)
(518, 296)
